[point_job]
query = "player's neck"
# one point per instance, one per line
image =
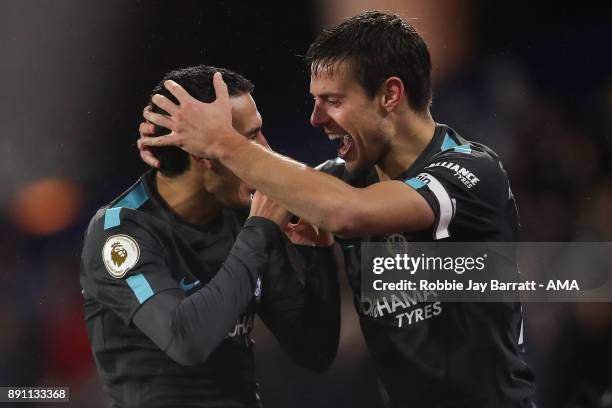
(188, 198)
(410, 135)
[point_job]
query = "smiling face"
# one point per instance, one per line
(222, 182)
(347, 114)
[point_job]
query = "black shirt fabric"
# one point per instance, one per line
(441, 354)
(169, 306)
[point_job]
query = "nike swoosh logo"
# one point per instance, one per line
(188, 286)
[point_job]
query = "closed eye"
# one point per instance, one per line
(332, 98)
(252, 134)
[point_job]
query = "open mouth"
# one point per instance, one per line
(346, 141)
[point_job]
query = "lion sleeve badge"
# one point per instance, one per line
(120, 254)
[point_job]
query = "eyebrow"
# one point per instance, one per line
(252, 131)
(328, 95)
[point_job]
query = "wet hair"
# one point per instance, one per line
(196, 80)
(376, 46)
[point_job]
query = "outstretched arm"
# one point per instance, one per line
(205, 130)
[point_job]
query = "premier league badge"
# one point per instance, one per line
(120, 253)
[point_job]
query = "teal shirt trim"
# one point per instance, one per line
(134, 199)
(463, 149)
(140, 286)
(448, 143)
(415, 183)
(111, 217)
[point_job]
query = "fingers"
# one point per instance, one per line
(315, 228)
(146, 129)
(168, 140)
(164, 103)
(221, 92)
(178, 91)
(159, 119)
(147, 156)
(299, 227)
(256, 197)
(256, 203)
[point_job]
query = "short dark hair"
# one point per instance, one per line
(196, 80)
(376, 46)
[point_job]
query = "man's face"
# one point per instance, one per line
(227, 188)
(349, 115)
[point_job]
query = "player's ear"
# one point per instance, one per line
(392, 93)
(200, 161)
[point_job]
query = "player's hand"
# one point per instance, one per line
(303, 233)
(199, 128)
(263, 206)
(147, 129)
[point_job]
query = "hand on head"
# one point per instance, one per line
(195, 126)
(147, 130)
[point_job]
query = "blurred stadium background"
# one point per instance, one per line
(533, 80)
